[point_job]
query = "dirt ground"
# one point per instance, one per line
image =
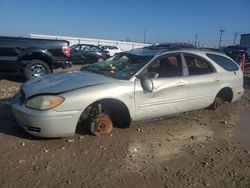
(198, 149)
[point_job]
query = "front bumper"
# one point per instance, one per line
(47, 123)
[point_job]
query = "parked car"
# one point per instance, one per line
(137, 85)
(240, 54)
(33, 57)
(111, 50)
(86, 53)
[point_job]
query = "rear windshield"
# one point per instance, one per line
(224, 62)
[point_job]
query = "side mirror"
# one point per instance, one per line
(146, 80)
(147, 84)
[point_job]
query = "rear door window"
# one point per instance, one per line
(224, 62)
(84, 48)
(197, 65)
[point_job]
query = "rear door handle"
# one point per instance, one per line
(216, 80)
(180, 84)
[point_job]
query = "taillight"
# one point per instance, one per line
(243, 62)
(66, 50)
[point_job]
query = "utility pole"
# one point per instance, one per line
(145, 34)
(196, 38)
(235, 36)
(221, 31)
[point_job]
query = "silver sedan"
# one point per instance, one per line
(137, 85)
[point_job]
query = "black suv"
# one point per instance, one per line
(33, 57)
(239, 54)
(86, 53)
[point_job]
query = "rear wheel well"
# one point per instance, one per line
(115, 109)
(37, 56)
(226, 94)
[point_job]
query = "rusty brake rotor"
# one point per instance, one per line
(101, 125)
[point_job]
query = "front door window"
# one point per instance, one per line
(167, 66)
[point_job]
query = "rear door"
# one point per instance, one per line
(232, 76)
(201, 82)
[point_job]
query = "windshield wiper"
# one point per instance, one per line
(94, 69)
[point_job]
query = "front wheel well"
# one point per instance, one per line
(115, 109)
(226, 94)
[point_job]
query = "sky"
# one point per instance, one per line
(163, 20)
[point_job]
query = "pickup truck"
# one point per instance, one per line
(33, 57)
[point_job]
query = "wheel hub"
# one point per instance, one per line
(101, 125)
(37, 70)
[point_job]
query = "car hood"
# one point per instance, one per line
(62, 82)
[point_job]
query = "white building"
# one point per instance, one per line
(76, 40)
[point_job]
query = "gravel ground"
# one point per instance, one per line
(197, 149)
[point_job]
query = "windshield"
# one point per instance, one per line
(121, 66)
(74, 46)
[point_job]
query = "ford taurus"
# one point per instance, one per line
(137, 85)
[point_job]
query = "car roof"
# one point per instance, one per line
(109, 46)
(145, 52)
(176, 45)
(203, 51)
(31, 39)
(156, 51)
(85, 45)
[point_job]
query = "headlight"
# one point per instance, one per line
(44, 102)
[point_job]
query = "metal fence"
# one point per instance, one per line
(75, 40)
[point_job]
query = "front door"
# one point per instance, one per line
(76, 55)
(166, 97)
